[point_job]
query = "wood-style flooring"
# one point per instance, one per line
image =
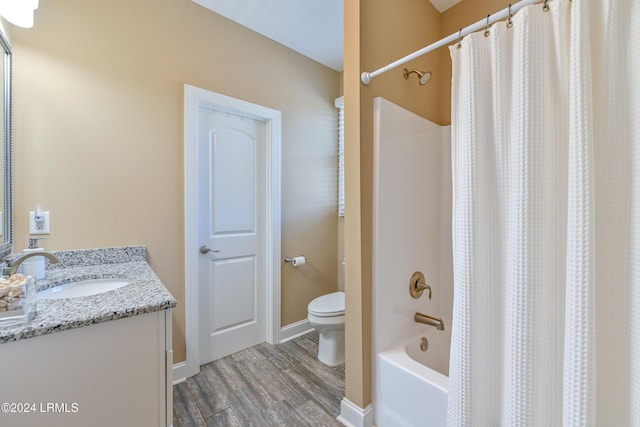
(265, 385)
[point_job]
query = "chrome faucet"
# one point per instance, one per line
(429, 320)
(13, 266)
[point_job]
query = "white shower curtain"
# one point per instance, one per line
(546, 159)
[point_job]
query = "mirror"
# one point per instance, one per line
(5, 151)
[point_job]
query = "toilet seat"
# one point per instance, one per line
(330, 305)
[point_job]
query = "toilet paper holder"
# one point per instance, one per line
(291, 260)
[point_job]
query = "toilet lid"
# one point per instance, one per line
(328, 305)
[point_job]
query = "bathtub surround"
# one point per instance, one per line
(411, 232)
(546, 124)
(145, 294)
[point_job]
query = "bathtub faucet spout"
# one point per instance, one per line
(429, 320)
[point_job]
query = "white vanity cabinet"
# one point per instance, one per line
(115, 373)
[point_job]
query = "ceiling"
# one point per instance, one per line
(310, 27)
(443, 5)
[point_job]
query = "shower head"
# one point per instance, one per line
(424, 76)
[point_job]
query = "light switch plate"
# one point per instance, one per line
(46, 224)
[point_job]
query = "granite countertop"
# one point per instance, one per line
(145, 294)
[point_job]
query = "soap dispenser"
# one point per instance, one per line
(34, 266)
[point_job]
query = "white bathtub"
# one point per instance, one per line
(409, 392)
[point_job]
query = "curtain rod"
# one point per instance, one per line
(504, 13)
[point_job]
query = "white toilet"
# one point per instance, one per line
(326, 315)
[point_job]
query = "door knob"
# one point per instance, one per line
(204, 250)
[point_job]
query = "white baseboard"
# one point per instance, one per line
(179, 372)
(294, 330)
(351, 415)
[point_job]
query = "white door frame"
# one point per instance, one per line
(194, 98)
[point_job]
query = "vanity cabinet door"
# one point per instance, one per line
(108, 374)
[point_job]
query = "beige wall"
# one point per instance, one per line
(378, 32)
(357, 365)
(98, 131)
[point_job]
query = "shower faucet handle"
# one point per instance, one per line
(417, 285)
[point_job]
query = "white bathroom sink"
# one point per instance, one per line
(83, 288)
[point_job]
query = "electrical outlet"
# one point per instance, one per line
(42, 226)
